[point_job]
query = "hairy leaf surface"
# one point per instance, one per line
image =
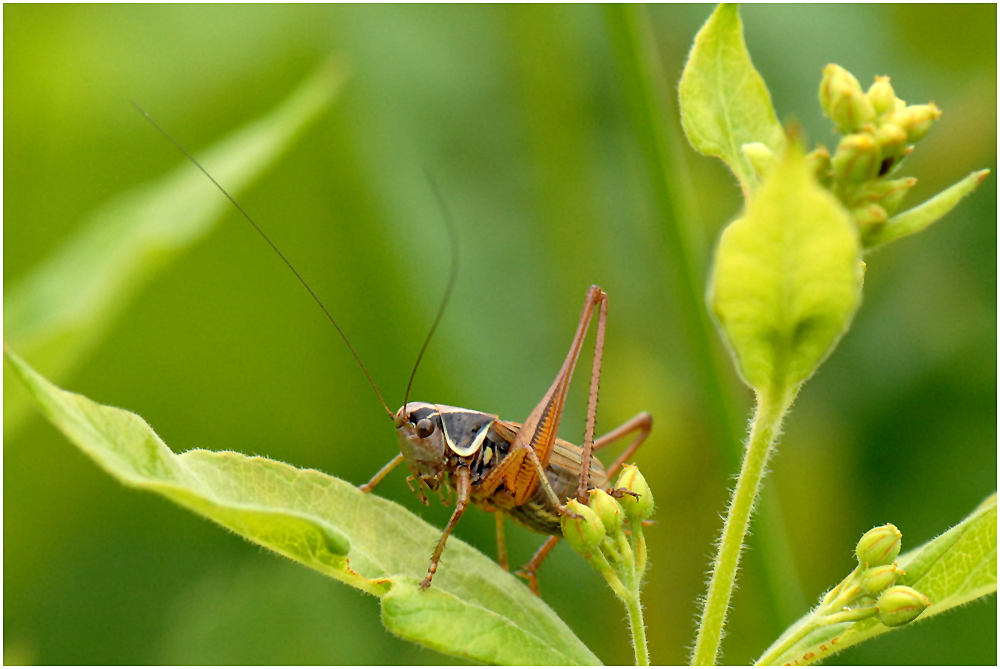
(724, 100)
(787, 279)
(474, 609)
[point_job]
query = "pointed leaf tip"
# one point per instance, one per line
(923, 215)
(724, 101)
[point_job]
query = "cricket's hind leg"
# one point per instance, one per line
(530, 570)
(643, 423)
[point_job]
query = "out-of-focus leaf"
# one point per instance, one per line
(724, 100)
(787, 279)
(914, 220)
(474, 610)
(63, 309)
(953, 569)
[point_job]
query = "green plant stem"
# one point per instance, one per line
(779, 649)
(771, 408)
(638, 629)
(685, 244)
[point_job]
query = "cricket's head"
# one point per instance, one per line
(430, 433)
(421, 438)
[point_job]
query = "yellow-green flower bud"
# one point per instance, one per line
(607, 509)
(818, 161)
(877, 579)
(635, 508)
(879, 545)
(583, 534)
(856, 160)
(882, 95)
(891, 139)
(760, 156)
(887, 193)
(916, 120)
(869, 215)
(842, 99)
(895, 193)
(899, 605)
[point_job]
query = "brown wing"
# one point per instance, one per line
(564, 455)
(507, 429)
(568, 456)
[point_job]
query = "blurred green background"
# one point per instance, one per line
(521, 116)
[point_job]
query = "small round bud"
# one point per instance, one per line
(882, 95)
(761, 157)
(856, 160)
(916, 120)
(879, 545)
(583, 534)
(876, 579)
(869, 215)
(631, 480)
(607, 509)
(891, 139)
(842, 99)
(818, 161)
(899, 605)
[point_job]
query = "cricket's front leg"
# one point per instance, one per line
(463, 485)
(380, 474)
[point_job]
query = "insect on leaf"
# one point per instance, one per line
(475, 609)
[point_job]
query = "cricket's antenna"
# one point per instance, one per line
(452, 276)
(276, 250)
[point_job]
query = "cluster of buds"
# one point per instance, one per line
(879, 130)
(607, 531)
(871, 590)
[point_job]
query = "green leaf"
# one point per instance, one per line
(915, 220)
(65, 307)
(474, 609)
(786, 280)
(953, 569)
(724, 100)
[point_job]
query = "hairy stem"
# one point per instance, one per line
(638, 630)
(771, 409)
(779, 649)
(686, 249)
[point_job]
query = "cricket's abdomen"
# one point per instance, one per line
(537, 514)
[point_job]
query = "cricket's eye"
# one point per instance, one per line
(425, 428)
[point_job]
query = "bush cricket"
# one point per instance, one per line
(523, 471)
